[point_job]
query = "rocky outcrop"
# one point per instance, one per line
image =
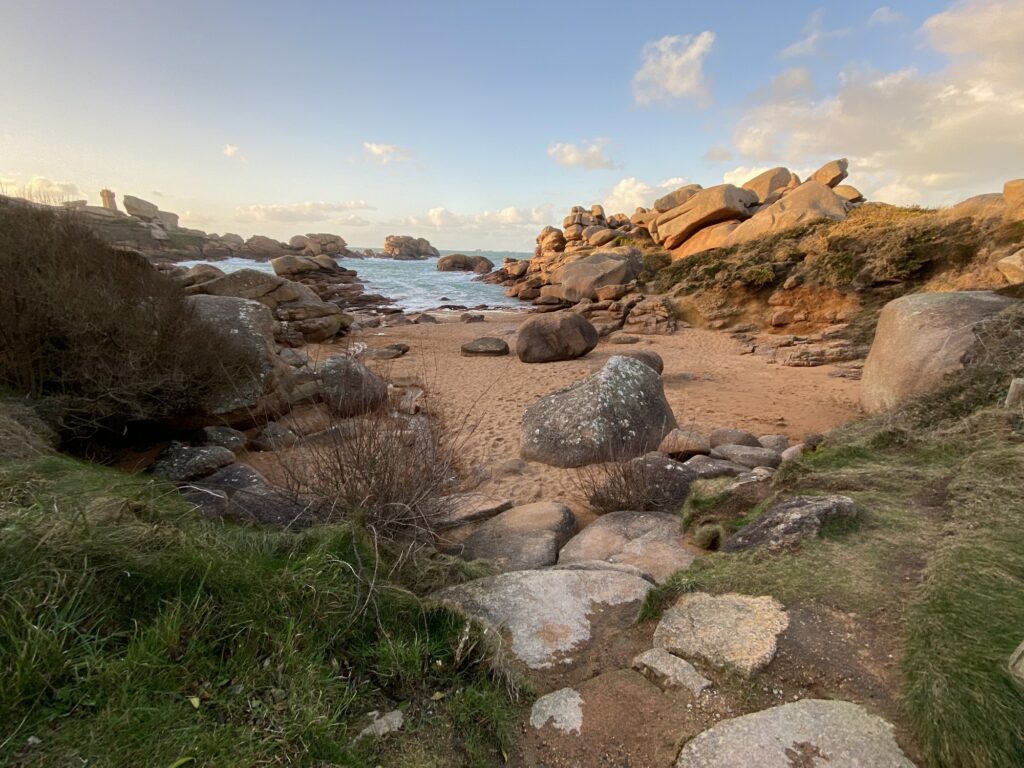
(582, 278)
(460, 262)
(549, 338)
(919, 340)
(617, 413)
(809, 202)
(299, 309)
(407, 248)
(709, 206)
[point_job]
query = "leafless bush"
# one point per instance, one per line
(637, 485)
(97, 335)
(390, 472)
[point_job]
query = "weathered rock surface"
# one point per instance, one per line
(809, 202)
(460, 262)
(522, 538)
(731, 630)
(551, 337)
(831, 173)
(581, 279)
(563, 709)
(1012, 267)
(648, 357)
(226, 437)
(771, 183)
(180, 462)
(724, 202)
(714, 236)
(790, 522)
(546, 613)
(707, 467)
(274, 507)
(670, 671)
(681, 444)
(676, 198)
(251, 328)
(649, 541)
(919, 340)
(747, 456)
(232, 478)
(616, 413)
(803, 734)
(350, 388)
(727, 436)
(466, 508)
(486, 346)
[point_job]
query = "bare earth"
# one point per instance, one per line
(708, 383)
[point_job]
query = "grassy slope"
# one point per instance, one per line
(132, 633)
(938, 549)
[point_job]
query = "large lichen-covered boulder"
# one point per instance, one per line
(809, 202)
(919, 340)
(255, 390)
(811, 732)
(350, 388)
(724, 202)
(552, 337)
(616, 413)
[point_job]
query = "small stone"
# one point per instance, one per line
(226, 437)
(684, 443)
(383, 724)
(562, 708)
(273, 437)
(777, 443)
(472, 317)
(793, 452)
(670, 671)
(1015, 395)
(623, 338)
(789, 522)
(707, 467)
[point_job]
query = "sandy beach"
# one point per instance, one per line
(709, 383)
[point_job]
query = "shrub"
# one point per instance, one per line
(97, 333)
(390, 472)
(636, 485)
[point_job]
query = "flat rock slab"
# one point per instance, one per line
(650, 541)
(522, 538)
(804, 734)
(487, 346)
(562, 708)
(747, 456)
(730, 630)
(670, 671)
(465, 508)
(547, 614)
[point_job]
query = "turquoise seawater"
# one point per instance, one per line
(413, 285)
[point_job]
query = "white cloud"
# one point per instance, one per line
(590, 155)
(884, 15)
(719, 153)
(385, 154)
(814, 33)
(932, 137)
(673, 68)
(307, 211)
(230, 150)
(741, 175)
(631, 193)
(791, 83)
(509, 219)
(42, 190)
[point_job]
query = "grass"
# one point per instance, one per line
(133, 633)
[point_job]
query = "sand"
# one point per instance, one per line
(708, 382)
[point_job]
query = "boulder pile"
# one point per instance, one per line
(595, 259)
(408, 248)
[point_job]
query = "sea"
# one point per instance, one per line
(412, 285)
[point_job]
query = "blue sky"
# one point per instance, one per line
(475, 123)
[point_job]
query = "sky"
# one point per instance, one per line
(476, 123)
